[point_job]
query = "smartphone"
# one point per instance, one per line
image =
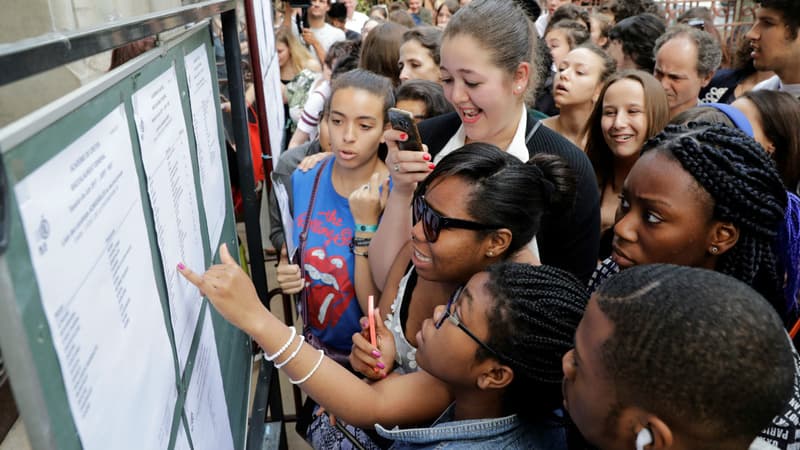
(404, 121)
(371, 315)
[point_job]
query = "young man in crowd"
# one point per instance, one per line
(775, 40)
(673, 357)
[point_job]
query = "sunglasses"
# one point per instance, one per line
(433, 223)
(452, 317)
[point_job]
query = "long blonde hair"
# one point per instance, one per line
(300, 56)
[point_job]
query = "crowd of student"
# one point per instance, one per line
(597, 247)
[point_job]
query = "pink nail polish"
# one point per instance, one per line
(376, 353)
(181, 266)
(431, 166)
(403, 136)
(380, 365)
(377, 370)
(426, 156)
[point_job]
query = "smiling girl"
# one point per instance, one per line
(487, 66)
(631, 108)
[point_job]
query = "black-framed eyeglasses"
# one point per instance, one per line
(433, 222)
(453, 318)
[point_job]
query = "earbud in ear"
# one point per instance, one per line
(645, 437)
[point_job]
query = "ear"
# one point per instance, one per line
(497, 242)
(662, 434)
(707, 79)
(521, 77)
(724, 236)
(495, 376)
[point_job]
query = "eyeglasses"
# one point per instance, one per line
(433, 222)
(453, 318)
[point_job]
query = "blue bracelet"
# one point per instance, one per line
(366, 228)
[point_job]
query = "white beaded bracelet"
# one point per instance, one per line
(294, 353)
(282, 349)
(313, 369)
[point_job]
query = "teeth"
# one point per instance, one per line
(470, 112)
(421, 257)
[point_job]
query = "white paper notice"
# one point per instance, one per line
(170, 185)
(206, 133)
(83, 219)
(205, 404)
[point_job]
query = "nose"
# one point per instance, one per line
(564, 74)
(458, 93)
(620, 120)
(625, 225)
(752, 33)
(417, 234)
(566, 365)
(404, 73)
(350, 133)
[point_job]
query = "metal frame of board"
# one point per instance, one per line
(32, 56)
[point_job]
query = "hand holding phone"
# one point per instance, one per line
(371, 317)
(404, 121)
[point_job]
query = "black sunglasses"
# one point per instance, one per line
(433, 223)
(453, 318)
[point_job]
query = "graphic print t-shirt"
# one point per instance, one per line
(333, 310)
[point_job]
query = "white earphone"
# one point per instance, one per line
(645, 437)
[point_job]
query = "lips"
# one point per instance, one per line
(418, 257)
(347, 155)
(469, 115)
(561, 88)
(620, 258)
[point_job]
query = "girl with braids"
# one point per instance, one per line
(493, 354)
(710, 197)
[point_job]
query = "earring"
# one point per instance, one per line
(714, 249)
(645, 437)
(490, 254)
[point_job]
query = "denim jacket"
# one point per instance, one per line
(491, 434)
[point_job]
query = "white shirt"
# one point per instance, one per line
(775, 84)
(541, 23)
(356, 23)
(327, 34)
(516, 148)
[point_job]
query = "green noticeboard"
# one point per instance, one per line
(105, 191)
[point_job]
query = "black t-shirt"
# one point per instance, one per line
(568, 239)
(722, 87)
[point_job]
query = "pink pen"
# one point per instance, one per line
(371, 315)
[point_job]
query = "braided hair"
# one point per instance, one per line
(532, 325)
(746, 190)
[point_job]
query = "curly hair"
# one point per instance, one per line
(746, 190)
(532, 325)
(638, 35)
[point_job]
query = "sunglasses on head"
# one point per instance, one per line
(433, 222)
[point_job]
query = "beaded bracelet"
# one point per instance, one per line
(294, 353)
(366, 228)
(313, 369)
(360, 241)
(282, 349)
